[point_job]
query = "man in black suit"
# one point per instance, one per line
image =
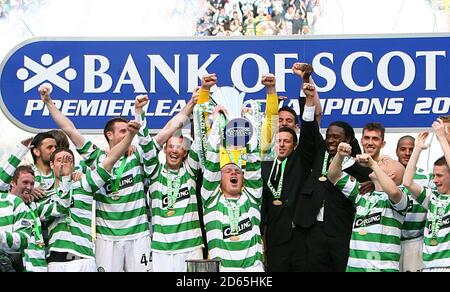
(283, 178)
(323, 213)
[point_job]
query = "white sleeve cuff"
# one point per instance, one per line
(349, 162)
(21, 151)
(403, 204)
(309, 113)
(157, 146)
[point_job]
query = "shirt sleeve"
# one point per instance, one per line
(150, 151)
(7, 171)
(402, 206)
(270, 123)
(348, 187)
(91, 154)
(20, 236)
(212, 174)
(309, 113)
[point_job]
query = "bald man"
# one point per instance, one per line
(375, 243)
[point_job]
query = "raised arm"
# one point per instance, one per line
(120, 149)
(270, 123)
(7, 169)
(175, 124)
(310, 138)
(304, 71)
(387, 184)
(335, 169)
(212, 174)
(408, 179)
(61, 120)
(439, 129)
(208, 82)
(253, 182)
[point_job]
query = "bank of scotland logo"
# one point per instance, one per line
(46, 70)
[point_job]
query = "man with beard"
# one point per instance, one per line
(125, 237)
(43, 146)
(323, 213)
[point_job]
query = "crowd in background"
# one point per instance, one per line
(18, 7)
(258, 17)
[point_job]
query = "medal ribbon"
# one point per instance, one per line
(233, 215)
(173, 188)
(438, 215)
(277, 193)
(116, 184)
(325, 164)
(37, 230)
(201, 129)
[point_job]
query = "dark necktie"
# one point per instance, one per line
(277, 175)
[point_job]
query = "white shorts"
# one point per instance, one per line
(84, 265)
(123, 256)
(257, 268)
(411, 255)
(163, 262)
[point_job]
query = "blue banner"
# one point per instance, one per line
(402, 82)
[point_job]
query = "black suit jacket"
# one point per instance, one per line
(277, 220)
(339, 211)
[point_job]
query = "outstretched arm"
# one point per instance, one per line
(120, 149)
(335, 169)
(61, 120)
(304, 71)
(212, 174)
(270, 124)
(175, 124)
(208, 81)
(387, 184)
(9, 167)
(439, 129)
(408, 179)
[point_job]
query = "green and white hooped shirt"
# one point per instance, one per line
(246, 251)
(71, 209)
(414, 224)
(375, 242)
(175, 218)
(121, 202)
(437, 228)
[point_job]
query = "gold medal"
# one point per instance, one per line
(115, 196)
(170, 213)
(41, 244)
(277, 203)
(234, 238)
(363, 232)
(68, 220)
(322, 179)
(433, 242)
